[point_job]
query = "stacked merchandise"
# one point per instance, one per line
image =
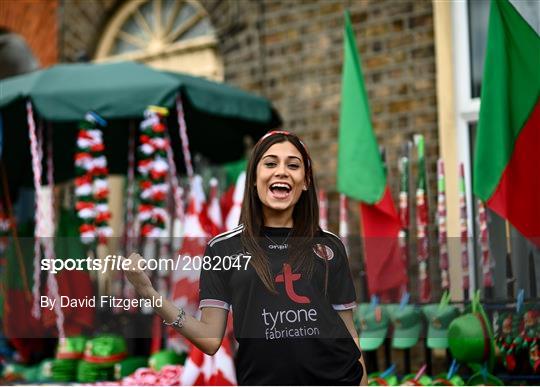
(468, 337)
(68, 355)
(389, 378)
(517, 339)
(128, 366)
(16, 373)
(101, 355)
(164, 368)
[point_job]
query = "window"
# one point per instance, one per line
(174, 35)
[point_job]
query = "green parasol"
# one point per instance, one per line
(217, 116)
(65, 92)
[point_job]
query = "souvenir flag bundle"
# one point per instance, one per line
(91, 187)
(153, 169)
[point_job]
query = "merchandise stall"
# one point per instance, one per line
(68, 132)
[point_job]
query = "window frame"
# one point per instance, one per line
(467, 110)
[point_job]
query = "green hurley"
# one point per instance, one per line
(441, 380)
(470, 337)
(375, 379)
(409, 380)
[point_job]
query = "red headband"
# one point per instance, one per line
(286, 133)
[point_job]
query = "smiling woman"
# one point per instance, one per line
(293, 301)
(280, 182)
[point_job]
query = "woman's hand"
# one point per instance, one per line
(206, 334)
(138, 278)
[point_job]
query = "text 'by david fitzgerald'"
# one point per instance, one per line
(100, 302)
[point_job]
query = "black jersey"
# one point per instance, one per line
(295, 337)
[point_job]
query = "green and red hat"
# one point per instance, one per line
(71, 347)
(105, 349)
(439, 316)
(407, 323)
(372, 321)
(470, 337)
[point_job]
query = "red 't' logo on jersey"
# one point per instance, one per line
(288, 278)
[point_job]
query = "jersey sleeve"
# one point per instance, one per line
(214, 290)
(341, 290)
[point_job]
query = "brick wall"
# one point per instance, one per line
(37, 22)
(291, 52)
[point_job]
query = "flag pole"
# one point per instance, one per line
(363, 273)
(510, 280)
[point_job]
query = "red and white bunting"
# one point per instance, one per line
(153, 167)
(91, 186)
(233, 217)
(404, 216)
(52, 285)
(183, 136)
(487, 271)
(464, 232)
(213, 209)
(422, 219)
(441, 223)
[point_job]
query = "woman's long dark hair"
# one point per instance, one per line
(305, 214)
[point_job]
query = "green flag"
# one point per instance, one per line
(360, 170)
(361, 176)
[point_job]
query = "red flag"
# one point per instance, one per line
(204, 370)
(226, 201)
(380, 227)
(185, 283)
(213, 210)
